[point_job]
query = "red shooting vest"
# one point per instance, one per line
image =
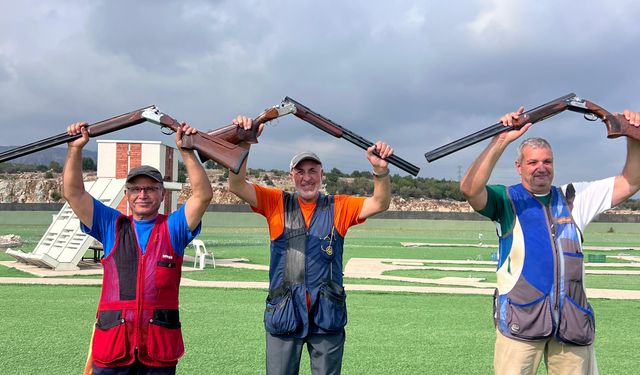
(139, 303)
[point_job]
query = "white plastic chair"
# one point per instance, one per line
(201, 254)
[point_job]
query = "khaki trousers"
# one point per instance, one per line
(513, 357)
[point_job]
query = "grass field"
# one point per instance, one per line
(46, 329)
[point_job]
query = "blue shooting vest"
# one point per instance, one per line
(540, 290)
(306, 263)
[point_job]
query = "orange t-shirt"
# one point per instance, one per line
(270, 205)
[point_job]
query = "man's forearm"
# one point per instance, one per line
(382, 192)
(72, 182)
(628, 182)
(73, 187)
(238, 181)
(380, 200)
(242, 188)
(477, 176)
(200, 186)
(631, 169)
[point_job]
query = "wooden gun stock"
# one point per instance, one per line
(211, 148)
(617, 126)
(236, 135)
(227, 154)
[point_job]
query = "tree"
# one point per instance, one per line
(210, 164)
(88, 164)
(55, 166)
(267, 181)
(182, 172)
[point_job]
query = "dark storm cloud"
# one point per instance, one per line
(416, 74)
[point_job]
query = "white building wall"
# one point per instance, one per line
(106, 159)
(152, 155)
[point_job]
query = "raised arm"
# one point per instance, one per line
(201, 192)
(73, 190)
(628, 182)
(238, 183)
(381, 197)
(474, 182)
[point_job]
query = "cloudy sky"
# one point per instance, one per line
(417, 74)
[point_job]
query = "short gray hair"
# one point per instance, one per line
(532, 142)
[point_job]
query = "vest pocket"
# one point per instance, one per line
(166, 279)
(166, 275)
(573, 270)
(280, 314)
(577, 324)
(109, 338)
(164, 337)
(530, 320)
(331, 307)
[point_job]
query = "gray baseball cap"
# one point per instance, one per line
(145, 170)
(306, 155)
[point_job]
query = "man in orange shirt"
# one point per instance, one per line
(306, 302)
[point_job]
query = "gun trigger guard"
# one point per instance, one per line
(166, 130)
(590, 116)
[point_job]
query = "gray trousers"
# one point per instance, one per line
(325, 353)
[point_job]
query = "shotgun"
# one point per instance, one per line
(338, 131)
(235, 134)
(531, 116)
(617, 125)
(213, 147)
(99, 128)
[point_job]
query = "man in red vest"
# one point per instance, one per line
(138, 325)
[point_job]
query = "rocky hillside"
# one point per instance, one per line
(35, 187)
(45, 187)
(31, 187)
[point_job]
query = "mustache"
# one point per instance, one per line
(541, 174)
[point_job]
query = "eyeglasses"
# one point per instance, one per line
(146, 189)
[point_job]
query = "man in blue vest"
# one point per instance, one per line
(540, 305)
(138, 324)
(306, 302)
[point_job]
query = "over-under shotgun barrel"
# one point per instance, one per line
(338, 131)
(531, 116)
(99, 128)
